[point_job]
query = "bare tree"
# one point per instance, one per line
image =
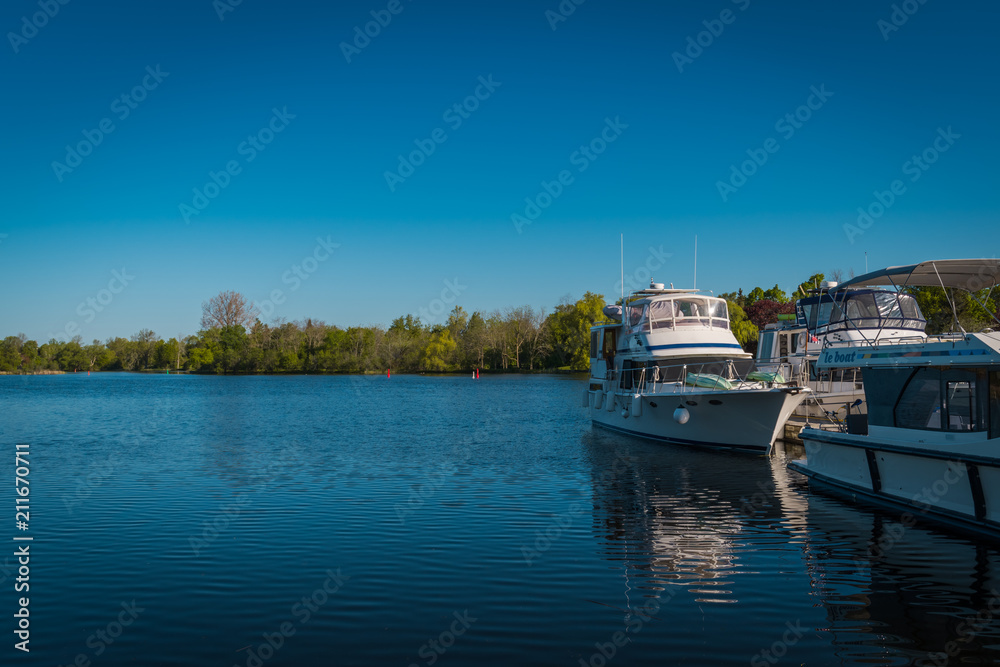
(228, 309)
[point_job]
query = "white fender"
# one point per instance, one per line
(681, 415)
(637, 405)
(598, 400)
(610, 401)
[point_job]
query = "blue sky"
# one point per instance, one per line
(662, 134)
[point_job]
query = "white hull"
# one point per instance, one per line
(744, 419)
(954, 487)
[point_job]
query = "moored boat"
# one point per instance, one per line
(829, 315)
(931, 444)
(670, 369)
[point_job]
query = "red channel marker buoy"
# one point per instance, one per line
(388, 373)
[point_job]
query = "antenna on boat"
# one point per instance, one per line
(866, 261)
(695, 262)
(623, 269)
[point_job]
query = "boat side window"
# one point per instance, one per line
(627, 374)
(764, 347)
(912, 317)
(919, 406)
(719, 313)
(995, 404)
(633, 314)
(942, 400)
(643, 324)
(961, 405)
(862, 311)
(593, 344)
(824, 314)
(610, 344)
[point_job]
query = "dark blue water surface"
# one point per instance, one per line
(445, 521)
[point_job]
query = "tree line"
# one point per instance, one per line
(234, 340)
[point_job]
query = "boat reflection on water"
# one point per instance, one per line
(706, 530)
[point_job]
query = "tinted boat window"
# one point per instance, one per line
(961, 407)
(765, 344)
(920, 404)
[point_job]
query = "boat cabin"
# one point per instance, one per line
(665, 333)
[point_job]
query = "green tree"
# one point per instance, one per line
(776, 294)
(744, 330)
(813, 282)
(755, 295)
(439, 349)
(71, 357)
(569, 331)
(199, 358)
(947, 312)
(10, 354)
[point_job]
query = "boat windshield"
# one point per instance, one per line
(686, 311)
(860, 309)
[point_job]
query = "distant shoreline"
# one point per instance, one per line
(551, 371)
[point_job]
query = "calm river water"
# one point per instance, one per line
(444, 521)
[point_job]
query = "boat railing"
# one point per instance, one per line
(902, 340)
(803, 373)
(655, 379)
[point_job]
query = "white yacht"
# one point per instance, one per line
(670, 369)
(830, 315)
(931, 444)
